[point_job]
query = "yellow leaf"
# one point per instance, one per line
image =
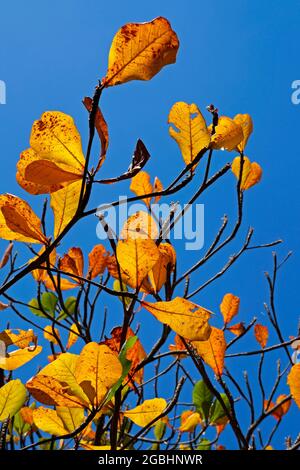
(63, 369)
(140, 50)
(157, 188)
(47, 420)
(184, 317)
(41, 274)
(190, 132)
(251, 174)
(72, 418)
(97, 370)
(143, 414)
(20, 338)
(228, 134)
(51, 334)
(73, 336)
(136, 258)
(189, 421)
(64, 204)
(167, 260)
(12, 397)
(97, 261)
(18, 221)
(18, 358)
(261, 333)
(213, 350)
(140, 184)
(245, 121)
(229, 307)
(64, 284)
(294, 383)
(139, 225)
(49, 391)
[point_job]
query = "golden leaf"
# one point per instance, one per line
(237, 329)
(140, 225)
(157, 188)
(228, 134)
(190, 132)
(140, 50)
(143, 414)
(64, 204)
(49, 391)
(18, 221)
(167, 260)
(294, 383)
(51, 334)
(73, 336)
(189, 421)
(251, 174)
(97, 261)
(71, 417)
(281, 410)
(229, 307)
(47, 420)
(261, 333)
(140, 184)
(18, 358)
(213, 350)
(12, 397)
(20, 338)
(184, 317)
(245, 121)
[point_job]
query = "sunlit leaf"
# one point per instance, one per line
(143, 414)
(202, 399)
(237, 329)
(251, 174)
(189, 421)
(64, 204)
(51, 334)
(228, 134)
(18, 358)
(213, 350)
(97, 261)
(261, 333)
(229, 307)
(140, 225)
(73, 336)
(17, 337)
(102, 130)
(12, 397)
(245, 121)
(294, 383)
(140, 184)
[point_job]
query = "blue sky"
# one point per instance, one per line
(239, 55)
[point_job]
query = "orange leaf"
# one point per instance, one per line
(237, 329)
(228, 134)
(281, 410)
(294, 383)
(73, 336)
(178, 346)
(140, 50)
(102, 130)
(41, 274)
(18, 221)
(72, 262)
(166, 261)
(97, 261)
(157, 188)
(229, 307)
(189, 421)
(245, 121)
(213, 350)
(261, 333)
(251, 174)
(49, 391)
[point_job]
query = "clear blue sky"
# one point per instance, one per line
(240, 55)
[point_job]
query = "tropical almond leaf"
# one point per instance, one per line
(47, 420)
(261, 333)
(50, 391)
(184, 317)
(149, 410)
(251, 174)
(73, 336)
(229, 307)
(228, 134)
(213, 350)
(141, 184)
(165, 264)
(245, 121)
(189, 421)
(64, 204)
(12, 396)
(18, 358)
(97, 261)
(189, 131)
(18, 221)
(140, 50)
(294, 383)
(20, 338)
(102, 130)
(139, 225)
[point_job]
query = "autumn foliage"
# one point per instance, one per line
(92, 391)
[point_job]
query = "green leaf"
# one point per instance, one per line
(49, 302)
(35, 308)
(159, 430)
(70, 305)
(204, 444)
(12, 396)
(126, 364)
(202, 399)
(117, 287)
(19, 424)
(217, 412)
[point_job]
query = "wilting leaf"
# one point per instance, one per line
(20, 338)
(140, 184)
(3, 306)
(97, 370)
(135, 354)
(18, 358)
(12, 397)
(136, 258)
(294, 383)
(102, 130)
(51, 334)
(184, 317)
(213, 350)
(245, 121)
(64, 204)
(190, 131)
(251, 174)
(189, 421)
(228, 134)
(55, 156)
(229, 307)
(97, 261)
(6, 255)
(140, 50)
(261, 333)
(202, 399)
(18, 221)
(281, 410)
(143, 414)
(237, 329)
(73, 336)
(166, 261)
